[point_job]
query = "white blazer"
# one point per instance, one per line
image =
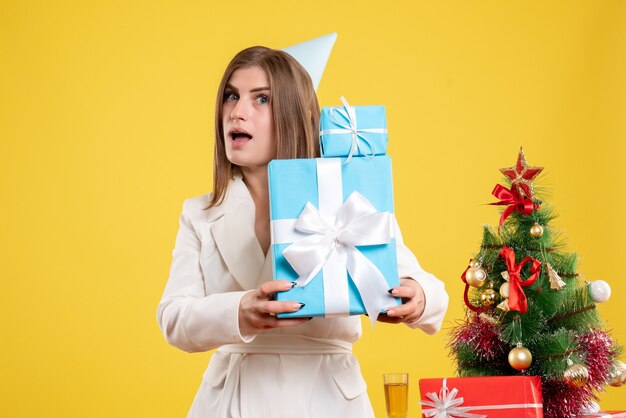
(304, 371)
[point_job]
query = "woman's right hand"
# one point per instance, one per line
(256, 310)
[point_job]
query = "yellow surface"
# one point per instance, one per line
(106, 126)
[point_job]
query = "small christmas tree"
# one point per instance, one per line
(529, 312)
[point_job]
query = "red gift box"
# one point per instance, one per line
(482, 397)
(606, 414)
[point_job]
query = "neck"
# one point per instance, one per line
(256, 182)
(255, 179)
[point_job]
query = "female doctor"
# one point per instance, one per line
(219, 292)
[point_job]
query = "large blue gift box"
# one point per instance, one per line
(360, 129)
(333, 232)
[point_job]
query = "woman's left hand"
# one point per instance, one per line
(413, 303)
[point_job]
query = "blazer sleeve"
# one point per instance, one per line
(189, 318)
(434, 289)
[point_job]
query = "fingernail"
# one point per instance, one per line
(390, 290)
(293, 284)
(298, 306)
(391, 312)
(393, 291)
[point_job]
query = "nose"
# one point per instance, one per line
(240, 110)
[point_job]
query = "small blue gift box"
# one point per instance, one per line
(353, 131)
(333, 233)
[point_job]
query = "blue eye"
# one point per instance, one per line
(263, 99)
(230, 97)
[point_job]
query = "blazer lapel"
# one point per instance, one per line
(235, 237)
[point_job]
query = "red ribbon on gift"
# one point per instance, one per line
(517, 297)
(514, 201)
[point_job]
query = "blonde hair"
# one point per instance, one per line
(294, 107)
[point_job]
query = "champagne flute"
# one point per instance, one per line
(396, 394)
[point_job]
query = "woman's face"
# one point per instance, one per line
(247, 119)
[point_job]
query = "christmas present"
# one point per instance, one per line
(347, 131)
(333, 233)
(606, 414)
(482, 397)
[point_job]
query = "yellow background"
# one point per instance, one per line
(106, 112)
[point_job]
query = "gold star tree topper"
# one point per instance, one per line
(521, 176)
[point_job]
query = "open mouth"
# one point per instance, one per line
(239, 136)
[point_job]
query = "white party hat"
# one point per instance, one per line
(313, 55)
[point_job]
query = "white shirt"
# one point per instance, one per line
(304, 371)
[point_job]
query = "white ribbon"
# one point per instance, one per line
(446, 405)
(327, 240)
(349, 114)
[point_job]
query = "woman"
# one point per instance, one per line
(219, 293)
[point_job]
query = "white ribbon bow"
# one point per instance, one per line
(357, 223)
(349, 114)
(446, 405)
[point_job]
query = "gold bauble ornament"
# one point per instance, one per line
(520, 357)
(488, 297)
(504, 290)
(618, 377)
(576, 375)
(475, 275)
(536, 230)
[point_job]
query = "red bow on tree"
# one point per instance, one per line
(514, 200)
(517, 298)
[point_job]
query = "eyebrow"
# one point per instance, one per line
(254, 90)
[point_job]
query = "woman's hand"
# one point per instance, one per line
(413, 303)
(256, 310)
